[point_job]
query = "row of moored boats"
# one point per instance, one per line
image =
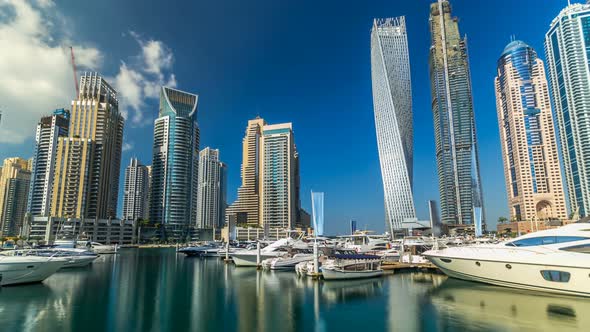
(555, 261)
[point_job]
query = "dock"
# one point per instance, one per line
(396, 266)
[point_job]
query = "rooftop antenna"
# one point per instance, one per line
(74, 70)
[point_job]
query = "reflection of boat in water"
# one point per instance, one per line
(555, 260)
(350, 290)
(487, 305)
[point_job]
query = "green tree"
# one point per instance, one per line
(502, 220)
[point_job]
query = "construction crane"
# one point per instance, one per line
(74, 69)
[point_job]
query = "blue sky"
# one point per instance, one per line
(306, 62)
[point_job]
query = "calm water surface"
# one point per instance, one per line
(157, 290)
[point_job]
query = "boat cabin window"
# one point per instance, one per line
(543, 240)
(582, 248)
(557, 276)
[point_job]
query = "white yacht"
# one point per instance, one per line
(248, 257)
(555, 260)
(74, 257)
(286, 262)
(348, 267)
(27, 269)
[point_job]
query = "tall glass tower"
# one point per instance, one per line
(175, 162)
(392, 103)
(567, 48)
(529, 147)
(457, 158)
(49, 129)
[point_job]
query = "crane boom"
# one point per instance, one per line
(74, 69)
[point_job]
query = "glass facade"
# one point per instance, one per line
(392, 104)
(173, 197)
(567, 48)
(461, 197)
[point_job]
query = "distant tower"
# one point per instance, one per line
(268, 196)
(392, 103)
(210, 202)
(95, 138)
(175, 161)
(136, 191)
(15, 177)
(49, 130)
(457, 157)
(566, 45)
(245, 209)
(529, 147)
(279, 178)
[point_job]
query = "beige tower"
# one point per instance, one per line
(96, 127)
(245, 210)
(529, 148)
(15, 177)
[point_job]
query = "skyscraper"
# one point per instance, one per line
(173, 201)
(566, 49)
(244, 210)
(279, 205)
(529, 147)
(96, 127)
(49, 129)
(457, 158)
(268, 196)
(211, 199)
(392, 103)
(15, 177)
(136, 191)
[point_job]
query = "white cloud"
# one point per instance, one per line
(127, 146)
(142, 78)
(36, 75)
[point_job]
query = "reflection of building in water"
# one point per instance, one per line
(263, 296)
(406, 300)
(499, 308)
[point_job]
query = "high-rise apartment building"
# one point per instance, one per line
(95, 124)
(136, 191)
(566, 48)
(461, 199)
(211, 199)
(529, 147)
(245, 209)
(173, 201)
(279, 206)
(392, 103)
(15, 177)
(49, 130)
(269, 194)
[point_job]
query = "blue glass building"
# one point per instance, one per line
(173, 200)
(567, 48)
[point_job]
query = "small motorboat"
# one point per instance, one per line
(347, 267)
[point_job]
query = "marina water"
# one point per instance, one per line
(158, 290)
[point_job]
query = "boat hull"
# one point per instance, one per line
(249, 259)
(331, 274)
(30, 271)
(519, 275)
(79, 261)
